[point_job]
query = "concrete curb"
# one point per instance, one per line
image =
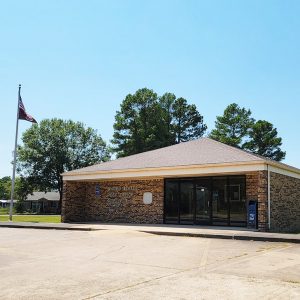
(49, 227)
(228, 236)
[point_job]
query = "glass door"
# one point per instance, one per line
(172, 202)
(220, 212)
(237, 199)
(186, 202)
(203, 195)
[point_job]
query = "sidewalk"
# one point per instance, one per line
(234, 233)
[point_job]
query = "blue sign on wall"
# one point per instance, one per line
(97, 190)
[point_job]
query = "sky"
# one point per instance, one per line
(79, 59)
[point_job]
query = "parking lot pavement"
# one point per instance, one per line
(120, 264)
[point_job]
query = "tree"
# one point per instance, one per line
(166, 103)
(146, 122)
(187, 122)
(5, 186)
(264, 141)
(56, 146)
(23, 187)
(135, 127)
(233, 127)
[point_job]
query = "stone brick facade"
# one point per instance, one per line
(285, 203)
(119, 201)
(257, 189)
(122, 201)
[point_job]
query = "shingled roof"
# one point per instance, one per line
(202, 151)
(50, 196)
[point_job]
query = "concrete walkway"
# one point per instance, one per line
(234, 233)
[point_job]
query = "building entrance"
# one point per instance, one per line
(206, 200)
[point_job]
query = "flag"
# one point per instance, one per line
(23, 115)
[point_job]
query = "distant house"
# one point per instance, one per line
(41, 202)
(6, 203)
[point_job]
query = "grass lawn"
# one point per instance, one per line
(4, 211)
(33, 218)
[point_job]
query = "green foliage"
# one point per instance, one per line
(146, 122)
(167, 133)
(19, 207)
(135, 127)
(23, 187)
(56, 146)
(5, 188)
(187, 122)
(233, 126)
(264, 141)
(237, 128)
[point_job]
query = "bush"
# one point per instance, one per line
(19, 207)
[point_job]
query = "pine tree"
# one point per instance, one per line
(264, 141)
(233, 126)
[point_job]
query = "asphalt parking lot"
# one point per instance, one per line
(118, 264)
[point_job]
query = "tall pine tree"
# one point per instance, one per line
(264, 141)
(233, 127)
(146, 122)
(137, 123)
(187, 123)
(237, 128)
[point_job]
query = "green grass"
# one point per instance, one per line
(33, 218)
(4, 211)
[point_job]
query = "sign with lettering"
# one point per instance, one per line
(121, 191)
(122, 188)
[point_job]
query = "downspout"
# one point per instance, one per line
(269, 199)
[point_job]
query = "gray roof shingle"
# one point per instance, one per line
(50, 196)
(196, 152)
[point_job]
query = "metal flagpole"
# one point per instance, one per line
(15, 161)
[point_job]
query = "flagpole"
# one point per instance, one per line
(15, 161)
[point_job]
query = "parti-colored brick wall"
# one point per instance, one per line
(119, 201)
(122, 201)
(257, 189)
(285, 203)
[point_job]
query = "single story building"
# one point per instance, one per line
(196, 182)
(41, 202)
(6, 203)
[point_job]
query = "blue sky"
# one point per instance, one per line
(79, 59)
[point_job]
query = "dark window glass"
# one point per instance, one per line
(208, 200)
(219, 201)
(203, 194)
(171, 202)
(186, 202)
(237, 198)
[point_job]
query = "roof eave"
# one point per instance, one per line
(168, 171)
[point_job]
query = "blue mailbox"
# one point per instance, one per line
(252, 214)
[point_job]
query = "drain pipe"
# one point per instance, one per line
(269, 198)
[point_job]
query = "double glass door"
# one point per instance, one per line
(208, 201)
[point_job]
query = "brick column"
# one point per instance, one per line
(257, 189)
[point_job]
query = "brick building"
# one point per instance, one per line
(197, 182)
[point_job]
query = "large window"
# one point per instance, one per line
(186, 202)
(171, 202)
(206, 200)
(237, 197)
